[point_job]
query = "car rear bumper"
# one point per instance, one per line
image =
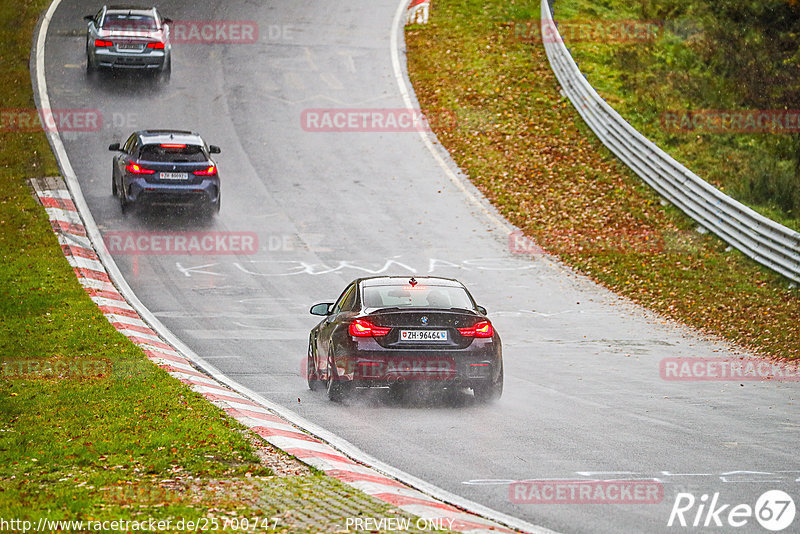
(154, 59)
(206, 192)
(448, 368)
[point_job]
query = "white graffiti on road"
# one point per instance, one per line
(268, 268)
(200, 269)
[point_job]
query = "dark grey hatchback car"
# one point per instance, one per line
(172, 167)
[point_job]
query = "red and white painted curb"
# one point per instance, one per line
(418, 12)
(92, 275)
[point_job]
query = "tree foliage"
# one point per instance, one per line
(740, 54)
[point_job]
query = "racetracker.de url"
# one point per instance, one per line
(203, 524)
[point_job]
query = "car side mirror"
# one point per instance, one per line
(214, 149)
(323, 308)
(481, 309)
(88, 18)
(114, 147)
(166, 21)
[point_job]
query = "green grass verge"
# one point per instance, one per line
(527, 149)
(644, 79)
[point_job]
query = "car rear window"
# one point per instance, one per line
(419, 296)
(172, 154)
(131, 23)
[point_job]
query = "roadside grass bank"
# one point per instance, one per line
(526, 148)
(666, 80)
(89, 428)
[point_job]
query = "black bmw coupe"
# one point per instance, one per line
(389, 331)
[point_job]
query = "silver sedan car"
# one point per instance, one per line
(128, 38)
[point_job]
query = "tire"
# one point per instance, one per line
(489, 392)
(91, 68)
(114, 186)
(165, 73)
(124, 206)
(312, 375)
(338, 390)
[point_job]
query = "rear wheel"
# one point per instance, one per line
(123, 202)
(113, 185)
(338, 389)
(90, 67)
(490, 391)
(312, 375)
(165, 72)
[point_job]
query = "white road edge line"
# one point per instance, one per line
(43, 101)
(427, 136)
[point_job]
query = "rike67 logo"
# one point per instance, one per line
(774, 510)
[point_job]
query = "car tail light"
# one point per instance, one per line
(362, 328)
(481, 329)
(135, 168)
(156, 46)
(210, 171)
(173, 145)
(100, 43)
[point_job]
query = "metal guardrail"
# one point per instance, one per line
(759, 237)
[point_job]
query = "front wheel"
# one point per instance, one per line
(491, 391)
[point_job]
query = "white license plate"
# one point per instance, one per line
(129, 46)
(174, 175)
(423, 335)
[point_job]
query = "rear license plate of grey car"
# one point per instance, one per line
(174, 175)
